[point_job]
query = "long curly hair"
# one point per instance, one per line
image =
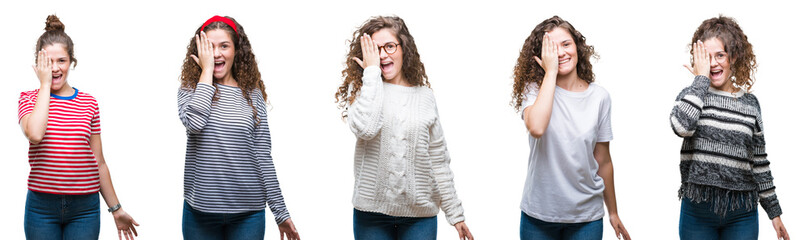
(528, 71)
(55, 33)
(741, 56)
(413, 68)
(245, 68)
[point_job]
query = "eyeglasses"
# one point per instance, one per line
(720, 57)
(389, 47)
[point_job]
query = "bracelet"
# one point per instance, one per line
(114, 208)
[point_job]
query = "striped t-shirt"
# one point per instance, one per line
(62, 163)
(228, 166)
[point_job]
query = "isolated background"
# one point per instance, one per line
(129, 57)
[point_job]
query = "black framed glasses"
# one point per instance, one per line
(389, 47)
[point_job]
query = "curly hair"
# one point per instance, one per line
(528, 71)
(245, 68)
(742, 58)
(55, 33)
(413, 68)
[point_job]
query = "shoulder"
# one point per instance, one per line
(600, 92)
(426, 93)
(86, 97)
(29, 94)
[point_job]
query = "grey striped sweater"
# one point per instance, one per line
(228, 166)
(723, 156)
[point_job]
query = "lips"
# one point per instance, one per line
(563, 61)
(56, 77)
(386, 67)
(218, 66)
(716, 74)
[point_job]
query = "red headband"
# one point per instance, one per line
(225, 20)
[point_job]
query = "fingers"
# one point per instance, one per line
(624, 232)
(358, 61)
(538, 60)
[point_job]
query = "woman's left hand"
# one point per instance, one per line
(463, 231)
(126, 224)
(619, 229)
(288, 227)
(780, 228)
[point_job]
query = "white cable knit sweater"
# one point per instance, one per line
(401, 164)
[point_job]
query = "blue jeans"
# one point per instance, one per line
(377, 226)
(535, 229)
(698, 221)
(216, 226)
(55, 216)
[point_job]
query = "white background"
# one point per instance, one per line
(130, 54)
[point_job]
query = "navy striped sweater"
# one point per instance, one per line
(723, 156)
(228, 166)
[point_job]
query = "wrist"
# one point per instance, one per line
(44, 85)
(115, 208)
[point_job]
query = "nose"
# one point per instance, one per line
(217, 52)
(54, 67)
(713, 62)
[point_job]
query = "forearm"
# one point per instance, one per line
(606, 172)
(365, 113)
(206, 76)
(107, 190)
(688, 107)
(35, 124)
(537, 116)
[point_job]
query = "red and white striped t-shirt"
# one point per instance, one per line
(62, 163)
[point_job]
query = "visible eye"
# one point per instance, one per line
(566, 44)
(225, 46)
(390, 46)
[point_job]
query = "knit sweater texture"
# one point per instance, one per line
(723, 155)
(401, 163)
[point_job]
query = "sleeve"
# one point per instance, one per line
(687, 109)
(605, 120)
(263, 145)
(365, 113)
(194, 106)
(95, 123)
(531, 93)
(762, 172)
(439, 158)
(26, 105)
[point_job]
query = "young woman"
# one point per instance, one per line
(229, 174)
(401, 164)
(63, 127)
(570, 171)
(723, 158)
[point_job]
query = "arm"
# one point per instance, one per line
(606, 171)
(194, 104)
(690, 101)
(35, 122)
(263, 145)
(125, 223)
(763, 178)
(537, 116)
(449, 201)
(365, 113)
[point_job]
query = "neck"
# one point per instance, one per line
(65, 91)
(228, 80)
(728, 87)
(571, 82)
(398, 80)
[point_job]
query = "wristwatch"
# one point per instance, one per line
(114, 208)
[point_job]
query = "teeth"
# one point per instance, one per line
(564, 61)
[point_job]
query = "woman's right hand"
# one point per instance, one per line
(701, 60)
(549, 56)
(44, 68)
(370, 52)
(205, 50)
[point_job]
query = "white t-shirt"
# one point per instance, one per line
(562, 183)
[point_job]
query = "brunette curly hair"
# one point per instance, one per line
(528, 71)
(245, 68)
(741, 56)
(412, 68)
(55, 33)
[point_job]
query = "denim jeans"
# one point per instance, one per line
(55, 216)
(377, 226)
(217, 226)
(535, 229)
(698, 221)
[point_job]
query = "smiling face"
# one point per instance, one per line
(720, 72)
(567, 51)
(60, 62)
(224, 52)
(391, 64)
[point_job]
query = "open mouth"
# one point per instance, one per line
(218, 66)
(56, 77)
(716, 74)
(387, 66)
